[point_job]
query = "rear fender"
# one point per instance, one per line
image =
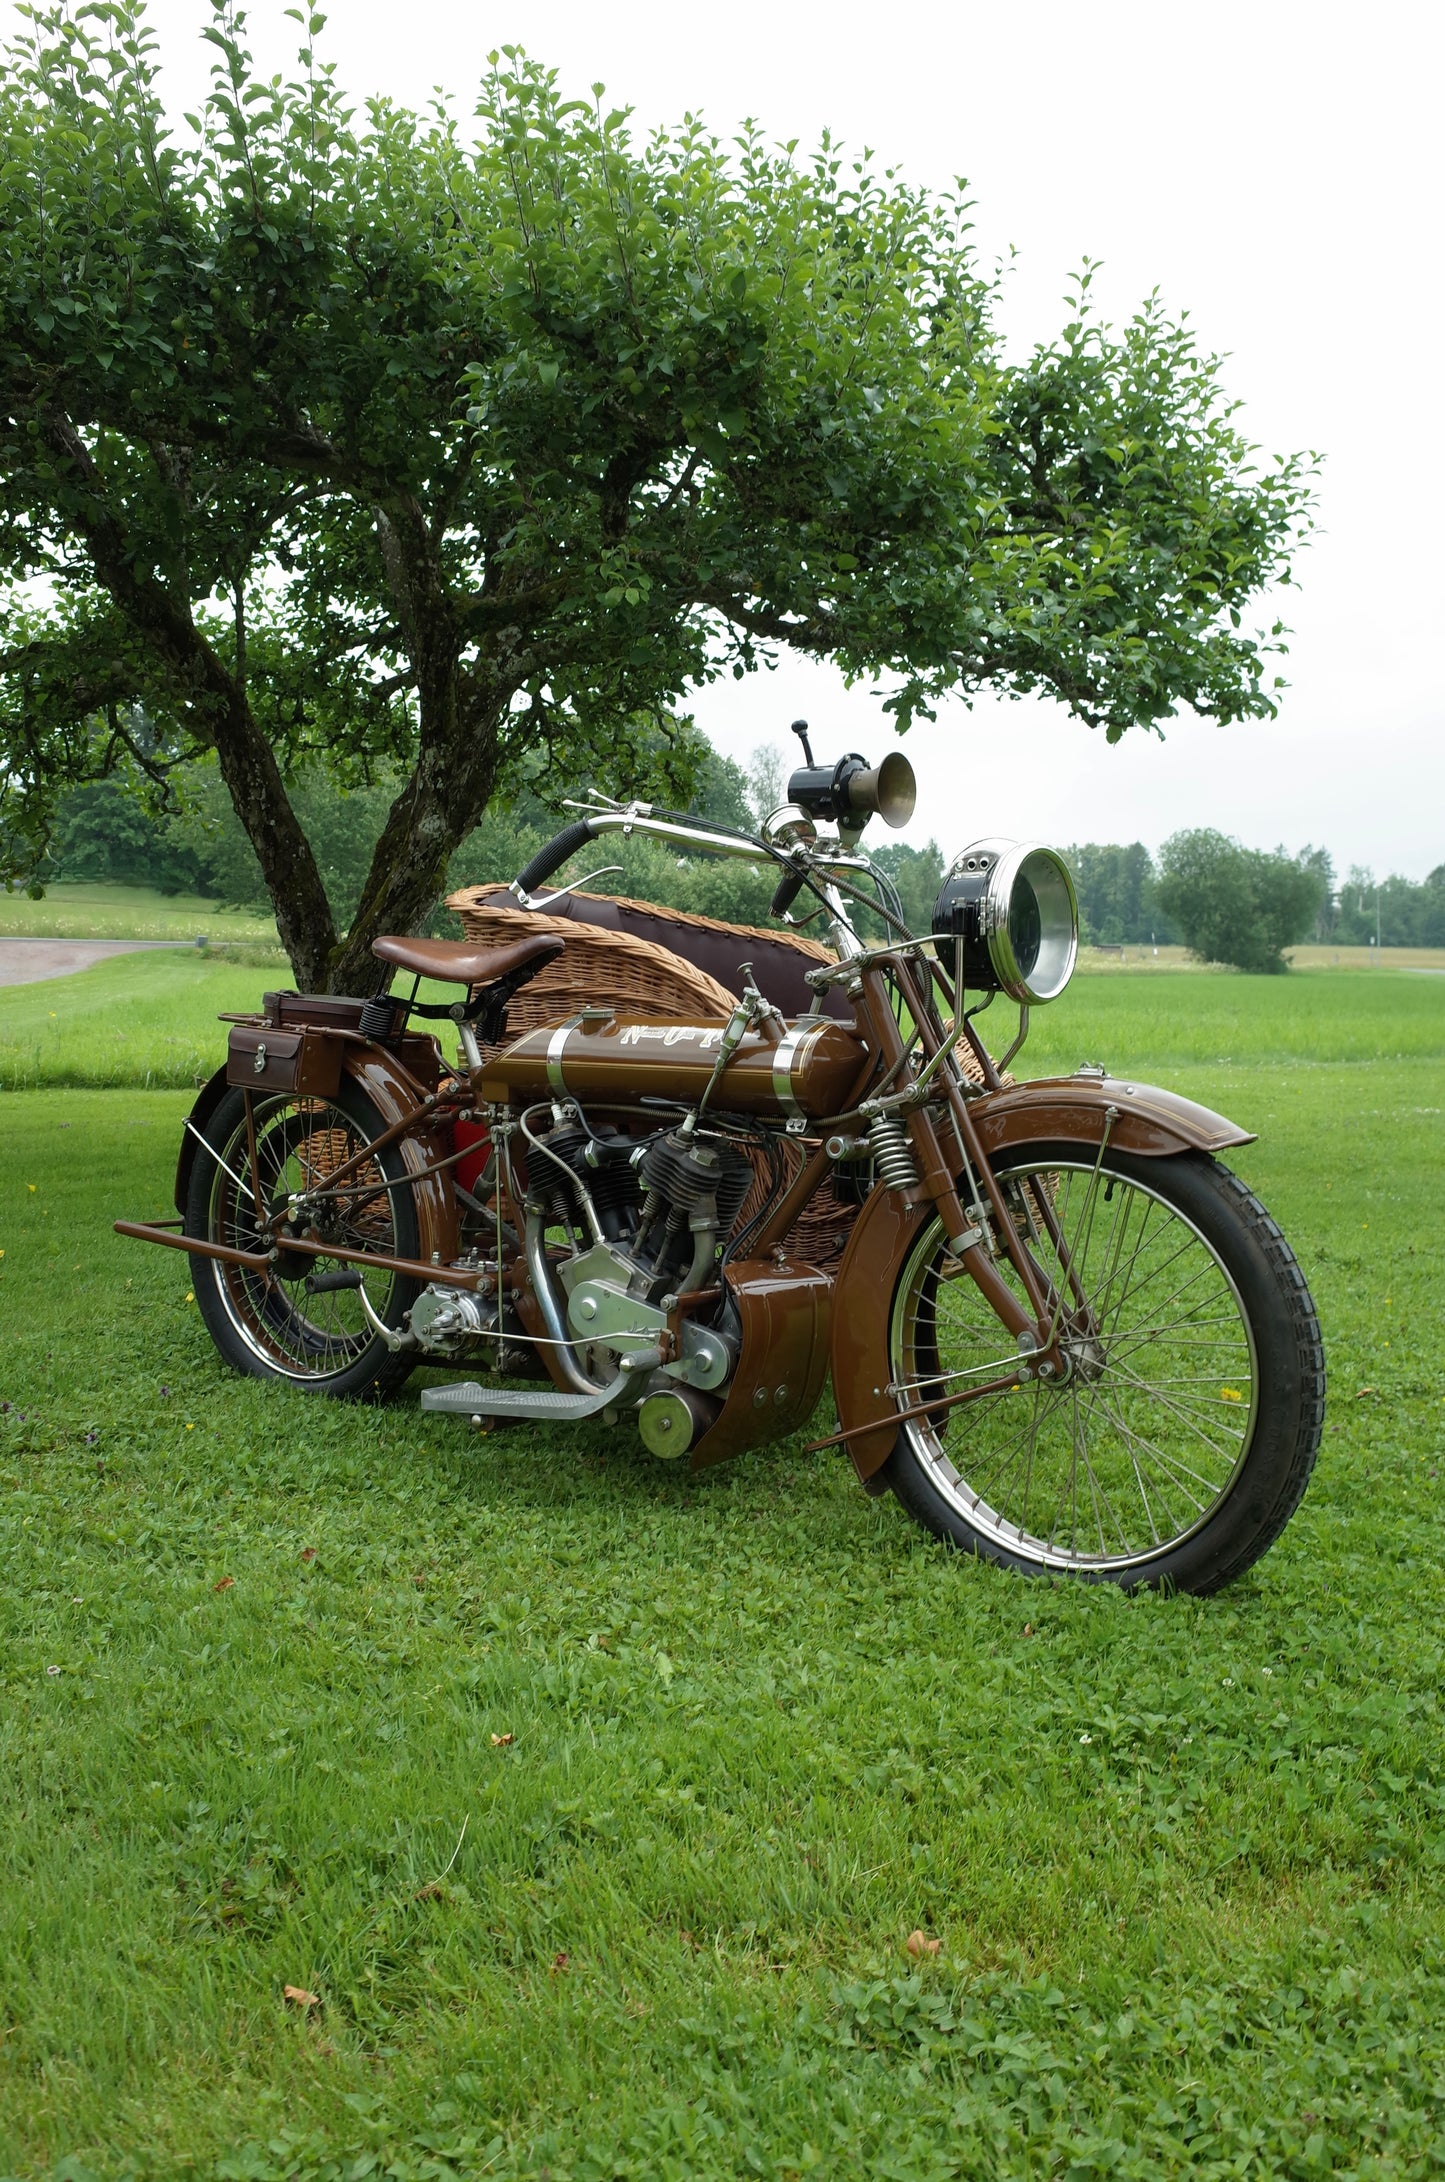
(394, 1095)
(1150, 1124)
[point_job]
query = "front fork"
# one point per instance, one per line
(1037, 1328)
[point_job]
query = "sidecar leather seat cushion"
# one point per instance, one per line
(459, 962)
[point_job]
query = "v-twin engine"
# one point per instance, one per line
(667, 1201)
(648, 1218)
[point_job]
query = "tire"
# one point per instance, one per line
(1184, 1437)
(273, 1326)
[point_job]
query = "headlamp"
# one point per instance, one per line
(1011, 907)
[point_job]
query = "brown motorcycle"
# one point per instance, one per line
(1060, 1331)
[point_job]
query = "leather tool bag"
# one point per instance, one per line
(262, 1058)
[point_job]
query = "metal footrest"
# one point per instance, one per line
(470, 1399)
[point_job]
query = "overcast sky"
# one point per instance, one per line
(1273, 168)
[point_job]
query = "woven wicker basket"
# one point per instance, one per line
(605, 967)
(597, 969)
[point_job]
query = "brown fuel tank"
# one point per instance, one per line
(806, 1071)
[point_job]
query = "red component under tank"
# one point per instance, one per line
(468, 1171)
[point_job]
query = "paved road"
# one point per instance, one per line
(26, 961)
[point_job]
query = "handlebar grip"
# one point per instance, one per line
(789, 888)
(554, 855)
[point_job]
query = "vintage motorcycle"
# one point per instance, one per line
(1061, 1332)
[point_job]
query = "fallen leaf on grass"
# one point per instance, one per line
(919, 1944)
(559, 1963)
(500, 1742)
(299, 1997)
(1361, 1392)
(431, 1892)
(225, 1584)
(308, 1553)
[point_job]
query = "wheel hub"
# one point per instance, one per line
(1083, 1355)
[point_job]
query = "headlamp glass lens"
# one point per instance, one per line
(1025, 925)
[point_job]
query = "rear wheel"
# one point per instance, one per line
(302, 1320)
(1182, 1438)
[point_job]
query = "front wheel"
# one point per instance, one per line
(1181, 1440)
(302, 1319)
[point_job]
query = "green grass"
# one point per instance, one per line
(149, 1021)
(143, 1020)
(1223, 1019)
(129, 912)
(1184, 1858)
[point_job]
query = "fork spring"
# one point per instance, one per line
(893, 1152)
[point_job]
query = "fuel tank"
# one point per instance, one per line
(810, 1069)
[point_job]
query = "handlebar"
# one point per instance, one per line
(790, 886)
(688, 833)
(554, 855)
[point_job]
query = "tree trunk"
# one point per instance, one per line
(436, 810)
(219, 712)
(304, 922)
(456, 770)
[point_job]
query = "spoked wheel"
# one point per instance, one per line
(1181, 1439)
(303, 1320)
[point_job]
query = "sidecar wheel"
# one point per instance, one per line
(1183, 1438)
(302, 1321)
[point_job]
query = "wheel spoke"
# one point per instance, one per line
(1105, 1468)
(287, 1325)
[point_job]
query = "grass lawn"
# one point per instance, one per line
(596, 1803)
(149, 1020)
(145, 1020)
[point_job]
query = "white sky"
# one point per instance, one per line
(1274, 168)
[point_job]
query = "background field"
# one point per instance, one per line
(129, 912)
(1184, 1859)
(149, 1020)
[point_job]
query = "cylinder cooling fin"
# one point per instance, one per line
(1011, 907)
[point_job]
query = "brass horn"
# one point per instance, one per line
(846, 792)
(889, 789)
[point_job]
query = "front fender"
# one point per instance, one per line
(1150, 1123)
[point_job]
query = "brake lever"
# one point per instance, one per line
(545, 901)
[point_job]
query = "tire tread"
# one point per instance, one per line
(1298, 1330)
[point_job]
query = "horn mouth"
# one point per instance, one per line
(890, 789)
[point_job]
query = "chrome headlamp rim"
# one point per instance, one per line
(1053, 965)
(985, 876)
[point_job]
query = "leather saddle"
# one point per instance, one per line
(491, 974)
(454, 962)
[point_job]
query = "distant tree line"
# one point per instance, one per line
(105, 833)
(1226, 903)
(1397, 911)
